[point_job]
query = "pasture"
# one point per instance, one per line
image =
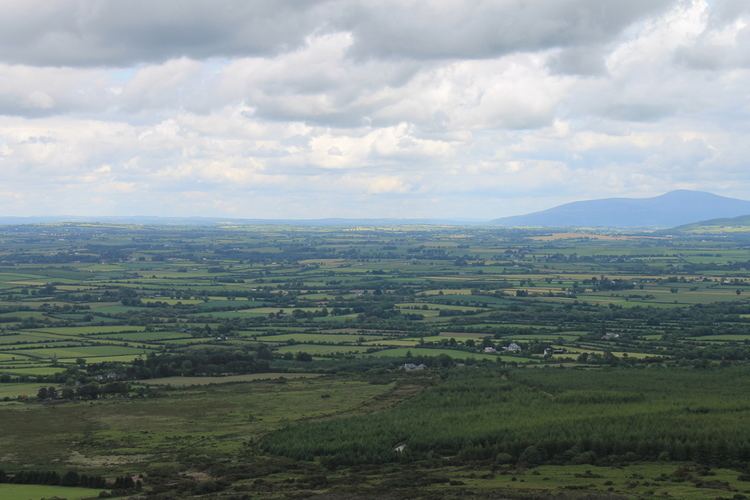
(38, 492)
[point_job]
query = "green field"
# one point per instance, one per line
(38, 492)
(92, 330)
(211, 422)
(229, 379)
(723, 338)
(402, 352)
(81, 352)
(316, 337)
(323, 350)
(13, 390)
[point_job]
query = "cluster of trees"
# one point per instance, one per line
(70, 478)
(90, 390)
(206, 361)
(607, 284)
(534, 417)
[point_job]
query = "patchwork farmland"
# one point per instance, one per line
(285, 361)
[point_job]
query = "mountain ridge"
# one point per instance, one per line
(675, 208)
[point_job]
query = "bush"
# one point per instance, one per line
(504, 458)
(531, 456)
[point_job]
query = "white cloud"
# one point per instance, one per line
(332, 108)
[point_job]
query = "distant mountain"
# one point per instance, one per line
(668, 210)
(728, 225)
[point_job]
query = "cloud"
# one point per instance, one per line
(360, 108)
(587, 61)
(449, 29)
(724, 43)
(95, 33)
(32, 91)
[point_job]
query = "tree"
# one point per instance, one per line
(264, 352)
(531, 456)
(70, 479)
(186, 367)
(88, 391)
(42, 393)
(303, 356)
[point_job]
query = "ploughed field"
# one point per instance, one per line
(280, 361)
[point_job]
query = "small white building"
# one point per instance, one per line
(490, 350)
(411, 367)
(513, 347)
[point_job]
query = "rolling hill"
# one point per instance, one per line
(675, 208)
(726, 225)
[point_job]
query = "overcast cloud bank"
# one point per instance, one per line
(367, 109)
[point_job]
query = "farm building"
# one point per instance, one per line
(513, 347)
(412, 367)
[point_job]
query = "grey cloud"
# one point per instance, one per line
(637, 111)
(713, 49)
(115, 33)
(711, 56)
(450, 29)
(583, 61)
(727, 11)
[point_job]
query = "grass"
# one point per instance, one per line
(465, 335)
(417, 307)
(722, 338)
(25, 337)
(89, 330)
(316, 337)
(128, 435)
(36, 492)
(393, 342)
(35, 370)
(323, 350)
(122, 358)
(646, 480)
(13, 356)
(14, 390)
(82, 352)
(146, 336)
(251, 377)
(402, 352)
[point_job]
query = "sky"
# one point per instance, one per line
(348, 108)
